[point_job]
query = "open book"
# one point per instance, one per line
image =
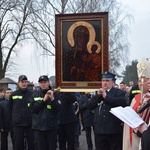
(128, 116)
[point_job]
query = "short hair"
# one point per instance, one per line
(122, 82)
(8, 89)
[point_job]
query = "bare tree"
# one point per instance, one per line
(119, 21)
(21, 21)
(14, 16)
(42, 27)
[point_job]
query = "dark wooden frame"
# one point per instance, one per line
(62, 25)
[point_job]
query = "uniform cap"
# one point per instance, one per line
(22, 77)
(143, 68)
(108, 76)
(114, 79)
(43, 78)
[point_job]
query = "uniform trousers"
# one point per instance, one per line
(88, 132)
(45, 140)
(4, 140)
(22, 134)
(108, 141)
(67, 136)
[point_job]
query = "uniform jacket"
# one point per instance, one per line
(5, 116)
(2, 99)
(67, 113)
(88, 114)
(104, 121)
(134, 90)
(45, 114)
(145, 141)
(20, 107)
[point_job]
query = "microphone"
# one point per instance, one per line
(144, 107)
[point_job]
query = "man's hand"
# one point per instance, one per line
(142, 127)
(48, 95)
(102, 92)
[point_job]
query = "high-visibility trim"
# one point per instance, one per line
(49, 107)
(38, 99)
(28, 104)
(135, 91)
(17, 97)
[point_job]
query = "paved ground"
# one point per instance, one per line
(82, 140)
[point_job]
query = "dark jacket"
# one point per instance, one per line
(67, 114)
(88, 114)
(2, 99)
(145, 140)
(20, 107)
(134, 90)
(104, 121)
(5, 116)
(45, 114)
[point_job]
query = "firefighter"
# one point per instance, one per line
(21, 115)
(45, 108)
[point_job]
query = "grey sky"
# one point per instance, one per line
(139, 39)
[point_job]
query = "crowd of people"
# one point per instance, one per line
(46, 120)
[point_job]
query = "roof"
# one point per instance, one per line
(52, 79)
(7, 80)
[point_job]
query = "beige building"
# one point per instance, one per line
(8, 83)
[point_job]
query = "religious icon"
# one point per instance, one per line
(86, 64)
(82, 50)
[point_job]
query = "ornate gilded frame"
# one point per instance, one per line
(79, 67)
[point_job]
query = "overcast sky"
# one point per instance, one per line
(139, 39)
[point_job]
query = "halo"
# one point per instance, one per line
(92, 35)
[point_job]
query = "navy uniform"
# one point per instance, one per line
(45, 108)
(5, 122)
(88, 117)
(145, 139)
(21, 115)
(107, 128)
(134, 90)
(77, 123)
(67, 120)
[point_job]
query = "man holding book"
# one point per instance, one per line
(131, 138)
(144, 129)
